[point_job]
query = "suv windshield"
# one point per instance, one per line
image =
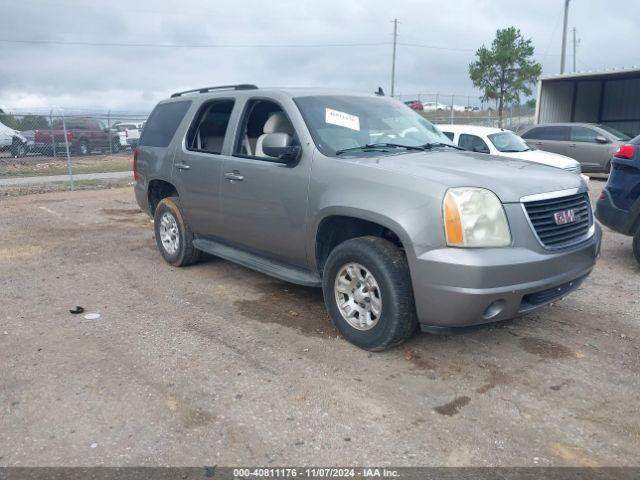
(340, 123)
(508, 142)
(616, 133)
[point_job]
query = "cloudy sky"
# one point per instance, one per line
(127, 54)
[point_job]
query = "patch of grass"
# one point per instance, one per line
(94, 184)
(117, 164)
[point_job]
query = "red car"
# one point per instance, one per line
(415, 104)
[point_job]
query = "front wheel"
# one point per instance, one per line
(367, 291)
(636, 244)
(173, 236)
(18, 149)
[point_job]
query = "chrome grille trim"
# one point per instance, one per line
(539, 211)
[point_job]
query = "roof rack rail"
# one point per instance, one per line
(241, 86)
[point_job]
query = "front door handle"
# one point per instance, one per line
(182, 166)
(234, 176)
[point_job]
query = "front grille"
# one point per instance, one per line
(541, 214)
(575, 169)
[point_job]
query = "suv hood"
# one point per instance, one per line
(510, 179)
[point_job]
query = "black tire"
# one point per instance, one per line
(18, 149)
(115, 145)
(636, 244)
(388, 265)
(186, 253)
(84, 148)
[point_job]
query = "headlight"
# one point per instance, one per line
(474, 217)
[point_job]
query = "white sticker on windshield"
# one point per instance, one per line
(335, 117)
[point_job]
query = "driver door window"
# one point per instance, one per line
(262, 118)
(473, 143)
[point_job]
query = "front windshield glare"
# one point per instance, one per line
(344, 122)
(508, 142)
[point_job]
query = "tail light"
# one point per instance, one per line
(625, 151)
(136, 177)
(69, 136)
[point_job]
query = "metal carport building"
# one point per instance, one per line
(610, 97)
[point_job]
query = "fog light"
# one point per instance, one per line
(494, 309)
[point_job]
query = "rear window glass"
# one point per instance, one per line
(163, 123)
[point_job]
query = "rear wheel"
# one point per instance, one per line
(636, 244)
(173, 236)
(83, 147)
(367, 291)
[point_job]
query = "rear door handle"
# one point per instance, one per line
(182, 166)
(234, 176)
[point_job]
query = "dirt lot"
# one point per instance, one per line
(216, 364)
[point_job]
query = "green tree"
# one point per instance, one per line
(505, 70)
(9, 120)
(33, 122)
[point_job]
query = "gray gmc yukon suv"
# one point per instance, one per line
(363, 197)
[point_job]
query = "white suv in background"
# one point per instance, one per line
(505, 143)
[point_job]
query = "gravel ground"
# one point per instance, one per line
(216, 364)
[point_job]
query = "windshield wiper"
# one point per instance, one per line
(430, 145)
(382, 146)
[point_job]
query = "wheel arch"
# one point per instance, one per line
(335, 226)
(158, 189)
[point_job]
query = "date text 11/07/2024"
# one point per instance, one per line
(292, 472)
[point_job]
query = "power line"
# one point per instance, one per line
(240, 45)
(185, 45)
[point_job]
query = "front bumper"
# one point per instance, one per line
(455, 287)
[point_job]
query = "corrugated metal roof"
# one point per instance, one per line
(613, 72)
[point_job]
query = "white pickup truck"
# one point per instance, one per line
(129, 133)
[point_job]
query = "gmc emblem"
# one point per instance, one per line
(565, 216)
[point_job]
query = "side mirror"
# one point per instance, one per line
(601, 139)
(278, 145)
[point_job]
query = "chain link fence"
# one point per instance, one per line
(449, 109)
(77, 144)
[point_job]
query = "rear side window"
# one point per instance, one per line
(163, 123)
(548, 133)
(209, 129)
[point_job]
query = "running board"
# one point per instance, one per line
(261, 264)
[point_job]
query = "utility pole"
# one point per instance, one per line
(393, 59)
(576, 42)
(575, 45)
(564, 35)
